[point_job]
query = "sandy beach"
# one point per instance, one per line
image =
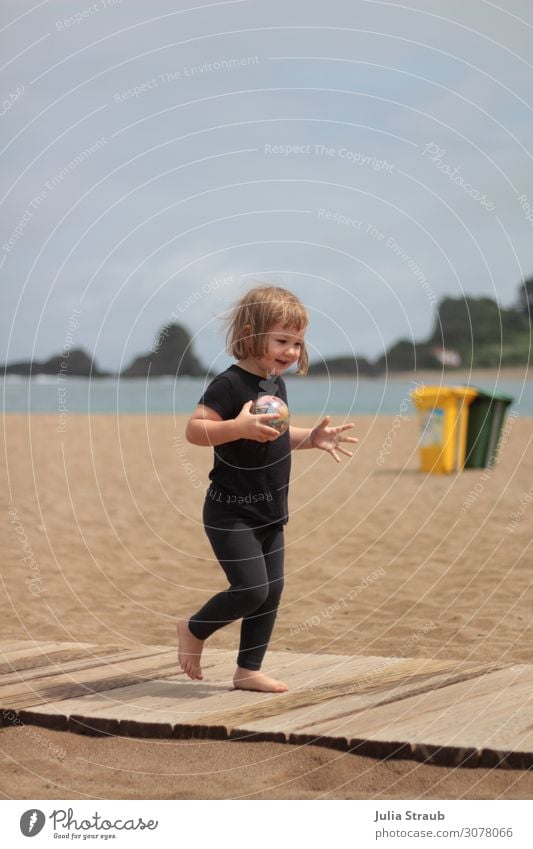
(381, 560)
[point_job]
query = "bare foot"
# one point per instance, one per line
(250, 679)
(189, 651)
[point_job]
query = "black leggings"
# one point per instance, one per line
(252, 559)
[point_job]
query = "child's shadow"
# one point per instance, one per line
(92, 695)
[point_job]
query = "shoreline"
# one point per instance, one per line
(436, 376)
(504, 373)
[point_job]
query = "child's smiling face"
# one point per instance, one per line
(283, 349)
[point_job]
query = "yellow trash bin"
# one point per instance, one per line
(444, 422)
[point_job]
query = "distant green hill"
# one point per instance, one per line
(468, 333)
(483, 333)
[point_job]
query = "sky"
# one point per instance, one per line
(160, 158)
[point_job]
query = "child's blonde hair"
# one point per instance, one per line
(261, 308)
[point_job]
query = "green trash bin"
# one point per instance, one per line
(485, 421)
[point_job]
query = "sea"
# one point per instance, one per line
(346, 397)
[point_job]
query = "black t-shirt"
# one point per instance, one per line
(249, 479)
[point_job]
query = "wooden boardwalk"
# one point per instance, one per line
(438, 711)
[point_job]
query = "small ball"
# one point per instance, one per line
(273, 404)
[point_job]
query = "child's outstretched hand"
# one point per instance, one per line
(328, 438)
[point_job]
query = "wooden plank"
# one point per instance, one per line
(93, 713)
(443, 711)
(100, 661)
(456, 725)
(212, 702)
(180, 700)
(367, 685)
(177, 694)
(51, 660)
(469, 713)
(37, 644)
(77, 664)
(78, 683)
(35, 651)
(14, 645)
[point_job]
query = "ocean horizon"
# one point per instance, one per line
(391, 395)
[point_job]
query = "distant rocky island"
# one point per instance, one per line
(468, 332)
(77, 363)
(171, 354)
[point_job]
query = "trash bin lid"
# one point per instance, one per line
(484, 395)
(442, 393)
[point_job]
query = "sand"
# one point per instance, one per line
(424, 566)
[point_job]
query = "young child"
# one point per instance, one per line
(245, 509)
